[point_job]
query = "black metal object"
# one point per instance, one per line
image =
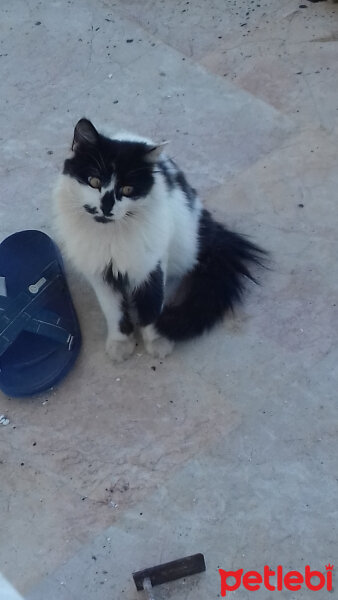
(183, 567)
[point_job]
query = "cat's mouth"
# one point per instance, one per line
(103, 219)
(109, 218)
(92, 210)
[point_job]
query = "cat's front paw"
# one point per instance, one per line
(119, 350)
(159, 348)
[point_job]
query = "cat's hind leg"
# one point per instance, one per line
(148, 301)
(155, 344)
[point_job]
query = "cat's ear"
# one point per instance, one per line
(153, 154)
(84, 134)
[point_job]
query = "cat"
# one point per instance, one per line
(159, 263)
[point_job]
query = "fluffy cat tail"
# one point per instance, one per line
(215, 284)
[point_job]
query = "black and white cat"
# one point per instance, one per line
(131, 223)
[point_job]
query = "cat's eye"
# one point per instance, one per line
(94, 182)
(127, 190)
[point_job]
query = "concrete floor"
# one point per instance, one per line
(229, 447)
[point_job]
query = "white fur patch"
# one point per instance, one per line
(119, 350)
(156, 345)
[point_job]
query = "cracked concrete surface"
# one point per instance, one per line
(229, 446)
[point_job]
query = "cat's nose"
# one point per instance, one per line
(107, 203)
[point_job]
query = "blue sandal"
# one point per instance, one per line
(40, 336)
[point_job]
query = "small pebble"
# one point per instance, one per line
(4, 420)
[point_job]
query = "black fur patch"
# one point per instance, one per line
(175, 178)
(107, 203)
(120, 284)
(125, 324)
(103, 219)
(98, 156)
(90, 209)
(168, 175)
(189, 192)
(216, 283)
(148, 298)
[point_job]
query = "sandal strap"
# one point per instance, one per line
(49, 324)
(24, 312)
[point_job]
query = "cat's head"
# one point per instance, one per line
(112, 174)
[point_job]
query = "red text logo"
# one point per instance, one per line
(276, 580)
